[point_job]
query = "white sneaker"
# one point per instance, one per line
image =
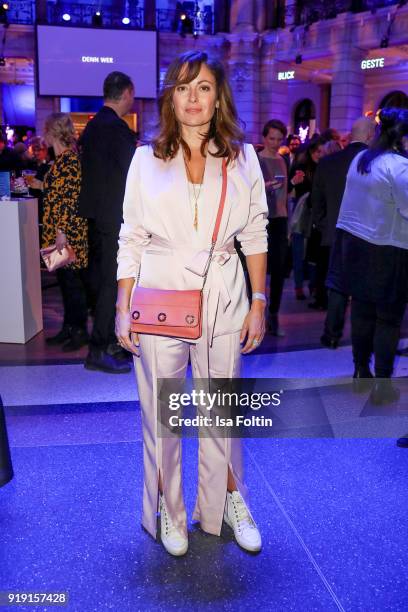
(173, 541)
(239, 518)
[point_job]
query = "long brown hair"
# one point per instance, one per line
(225, 128)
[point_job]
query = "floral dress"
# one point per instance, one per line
(61, 193)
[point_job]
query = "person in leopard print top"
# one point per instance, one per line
(62, 225)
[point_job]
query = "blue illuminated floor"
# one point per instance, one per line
(333, 513)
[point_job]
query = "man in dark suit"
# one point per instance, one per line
(327, 193)
(293, 143)
(107, 147)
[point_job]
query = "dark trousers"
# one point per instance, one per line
(92, 272)
(277, 252)
(298, 258)
(376, 328)
(73, 297)
(322, 267)
(336, 313)
(102, 278)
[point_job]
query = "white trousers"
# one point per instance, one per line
(163, 357)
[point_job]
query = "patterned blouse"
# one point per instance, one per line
(61, 192)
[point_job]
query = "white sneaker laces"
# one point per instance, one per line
(244, 519)
(168, 524)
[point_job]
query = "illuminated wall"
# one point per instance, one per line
(18, 104)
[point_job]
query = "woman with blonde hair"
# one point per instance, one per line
(173, 191)
(62, 225)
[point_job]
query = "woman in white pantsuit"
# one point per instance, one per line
(171, 201)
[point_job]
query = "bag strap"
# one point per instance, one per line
(221, 204)
(218, 219)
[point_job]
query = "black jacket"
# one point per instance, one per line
(10, 161)
(328, 189)
(107, 146)
(309, 168)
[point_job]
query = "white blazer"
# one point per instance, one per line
(157, 234)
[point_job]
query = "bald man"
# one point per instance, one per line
(327, 193)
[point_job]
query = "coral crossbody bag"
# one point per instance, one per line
(172, 312)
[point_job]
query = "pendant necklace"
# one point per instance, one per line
(195, 195)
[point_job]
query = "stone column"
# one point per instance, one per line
(260, 16)
(147, 118)
(242, 15)
(325, 93)
(243, 64)
(348, 80)
(273, 99)
(44, 106)
(244, 77)
(289, 10)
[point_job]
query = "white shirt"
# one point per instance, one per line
(375, 205)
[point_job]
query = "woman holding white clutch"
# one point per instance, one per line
(173, 192)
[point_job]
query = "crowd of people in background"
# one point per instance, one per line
(304, 203)
(341, 204)
(79, 183)
(17, 154)
(80, 188)
(295, 239)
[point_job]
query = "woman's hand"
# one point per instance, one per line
(60, 241)
(253, 328)
(273, 185)
(298, 178)
(36, 184)
(127, 340)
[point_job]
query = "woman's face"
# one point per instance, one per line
(195, 102)
(40, 153)
(273, 140)
(294, 145)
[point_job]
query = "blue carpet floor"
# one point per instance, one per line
(333, 514)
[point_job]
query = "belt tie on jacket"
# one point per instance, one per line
(215, 288)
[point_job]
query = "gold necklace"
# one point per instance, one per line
(195, 222)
